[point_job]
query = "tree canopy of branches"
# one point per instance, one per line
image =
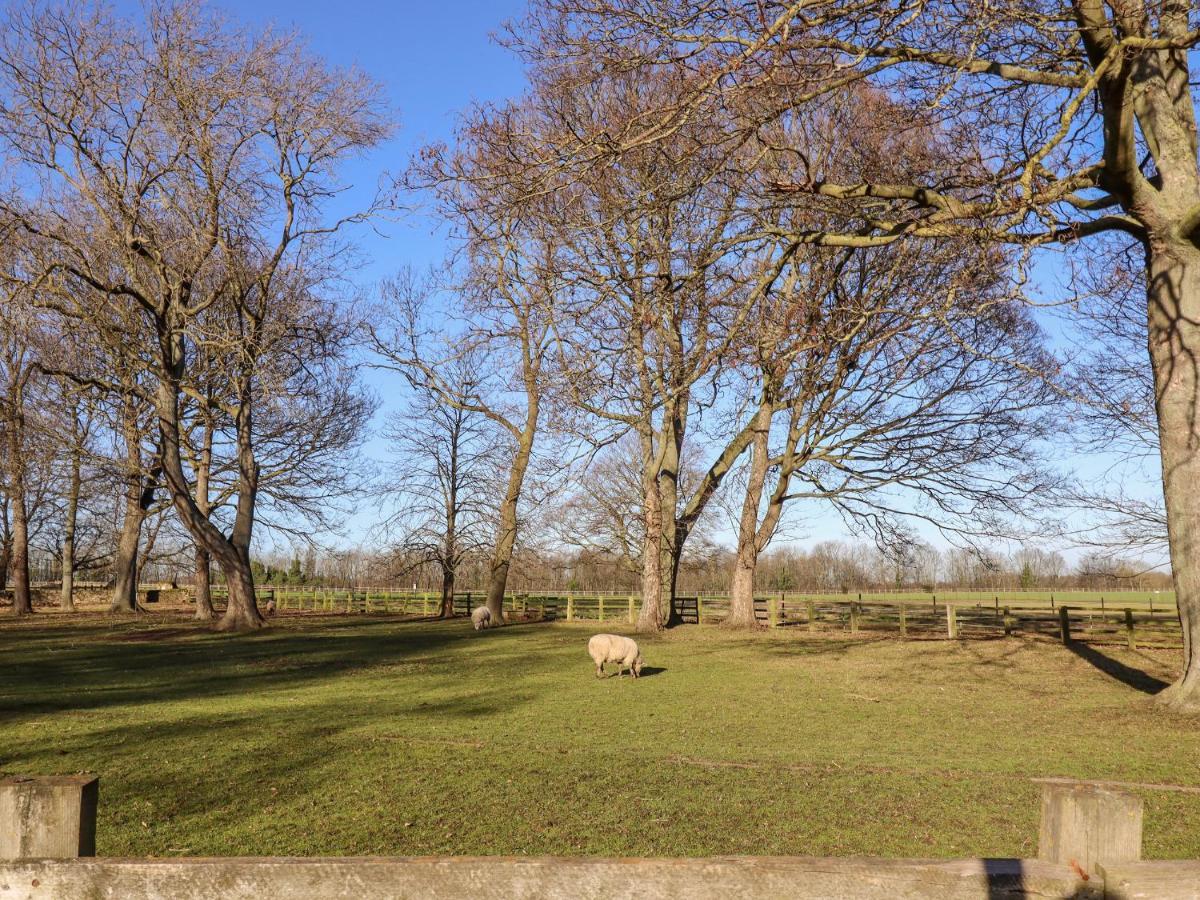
(1070, 119)
(173, 176)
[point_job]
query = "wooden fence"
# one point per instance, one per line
(1089, 846)
(947, 616)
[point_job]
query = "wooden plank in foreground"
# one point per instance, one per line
(546, 878)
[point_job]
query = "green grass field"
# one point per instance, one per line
(374, 735)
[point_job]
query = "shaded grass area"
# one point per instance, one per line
(375, 735)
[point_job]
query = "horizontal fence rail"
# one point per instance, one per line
(1089, 846)
(1109, 618)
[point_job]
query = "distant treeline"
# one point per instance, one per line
(827, 567)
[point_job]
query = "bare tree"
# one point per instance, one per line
(651, 303)
(199, 155)
(508, 342)
(444, 478)
(18, 373)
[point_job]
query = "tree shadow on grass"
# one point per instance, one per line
(1127, 675)
(97, 667)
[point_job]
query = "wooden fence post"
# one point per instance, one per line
(699, 609)
(570, 607)
(1064, 624)
(600, 608)
(772, 612)
(903, 620)
(631, 617)
(52, 817)
(854, 617)
(1008, 622)
(1129, 636)
(812, 615)
(1086, 825)
(951, 621)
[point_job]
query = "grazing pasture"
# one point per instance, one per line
(375, 734)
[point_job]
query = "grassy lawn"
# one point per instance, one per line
(374, 735)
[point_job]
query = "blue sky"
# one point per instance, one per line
(433, 59)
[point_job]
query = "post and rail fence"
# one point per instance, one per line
(945, 616)
(1089, 846)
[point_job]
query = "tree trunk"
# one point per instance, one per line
(18, 559)
(650, 616)
(68, 544)
(124, 597)
(1174, 340)
(203, 586)
(5, 543)
(22, 598)
(506, 532)
(741, 591)
(5, 559)
(670, 549)
(203, 576)
(139, 495)
(741, 596)
(231, 553)
(242, 612)
(447, 608)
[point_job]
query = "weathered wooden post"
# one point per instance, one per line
(951, 621)
(699, 609)
(1008, 622)
(772, 612)
(812, 615)
(1087, 825)
(854, 617)
(1129, 636)
(570, 607)
(48, 817)
(903, 620)
(1064, 624)
(600, 607)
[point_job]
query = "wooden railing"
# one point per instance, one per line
(1089, 846)
(934, 616)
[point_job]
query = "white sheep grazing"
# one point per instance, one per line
(481, 617)
(613, 648)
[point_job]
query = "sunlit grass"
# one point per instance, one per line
(371, 735)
